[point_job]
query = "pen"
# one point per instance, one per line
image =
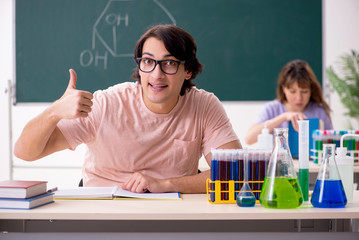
(52, 190)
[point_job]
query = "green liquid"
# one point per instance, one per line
(304, 182)
(283, 193)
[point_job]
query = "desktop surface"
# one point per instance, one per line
(192, 207)
(193, 215)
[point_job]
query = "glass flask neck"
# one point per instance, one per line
(281, 162)
(281, 131)
(328, 169)
(328, 150)
(281, 139)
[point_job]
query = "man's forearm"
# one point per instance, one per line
(188, 184)
(35, 136)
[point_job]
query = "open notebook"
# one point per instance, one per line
(111, 193)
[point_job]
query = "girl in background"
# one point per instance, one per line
(299, 96)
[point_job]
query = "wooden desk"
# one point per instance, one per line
(194, 214)
(192, 207)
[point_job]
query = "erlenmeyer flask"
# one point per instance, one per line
(281, 188)
(328, 191)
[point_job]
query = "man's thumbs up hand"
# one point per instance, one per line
(73, 103)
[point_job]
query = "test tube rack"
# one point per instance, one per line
(217, 194)
(321, 137)
(228, 170)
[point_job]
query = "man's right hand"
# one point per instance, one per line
(73, 103)
(41, 136)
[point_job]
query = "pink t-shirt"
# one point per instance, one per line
(123, 136)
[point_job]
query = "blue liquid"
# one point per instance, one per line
(329, 194)
(246, 201)
(214, 169)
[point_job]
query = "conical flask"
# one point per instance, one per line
(281, 188)
(328, 191)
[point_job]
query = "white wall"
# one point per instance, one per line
(5, 75)
(341, 33)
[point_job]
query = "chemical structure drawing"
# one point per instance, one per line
(118, 28)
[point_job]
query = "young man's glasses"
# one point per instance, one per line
(169, 67)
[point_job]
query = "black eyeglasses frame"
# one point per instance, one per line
(138, 60)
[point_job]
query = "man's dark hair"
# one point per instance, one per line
(179, 44)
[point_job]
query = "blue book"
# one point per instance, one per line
(293, 137)
(26, 203)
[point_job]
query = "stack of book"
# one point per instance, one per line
(18, 194)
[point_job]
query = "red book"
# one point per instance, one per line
(22, 189)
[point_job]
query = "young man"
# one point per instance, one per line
(143, 136)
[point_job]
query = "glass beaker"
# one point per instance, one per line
(281, 188)
(328, 191)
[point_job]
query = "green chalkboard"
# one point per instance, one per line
(243, 44)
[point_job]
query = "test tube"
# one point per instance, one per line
(241, 155)
(261, 170)
(337, 138)
(225, 172)
(221, 170)
(316, 141)
(320, 146)
(214, 173)
(234, 170)
(252, 167)
(345, 144)
(247, 167)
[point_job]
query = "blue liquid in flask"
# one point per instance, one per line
(245, 197)
(329, 194)
(246, 201)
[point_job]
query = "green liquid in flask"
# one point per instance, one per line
(283, 193)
